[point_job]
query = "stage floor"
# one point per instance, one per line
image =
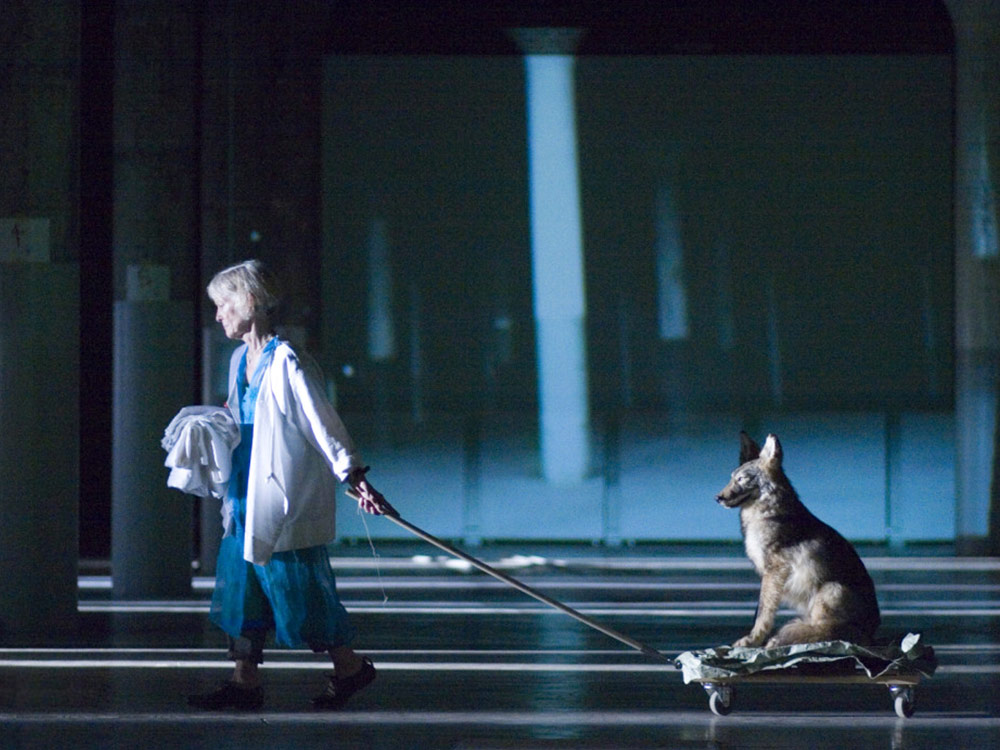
(465, 661)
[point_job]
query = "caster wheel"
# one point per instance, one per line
(903, 706)
(721, 702)
(902, 700)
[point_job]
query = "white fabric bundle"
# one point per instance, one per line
(199, 442)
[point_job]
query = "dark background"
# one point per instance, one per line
(815, 142)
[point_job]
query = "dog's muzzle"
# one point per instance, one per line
(735, 501)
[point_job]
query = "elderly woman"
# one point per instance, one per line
(273, 570)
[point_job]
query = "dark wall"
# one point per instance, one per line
(816, 189)
(853, 249)
(826, 180)
(813, 143)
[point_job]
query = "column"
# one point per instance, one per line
(39, 447)
(381, 327)
(156, 248)
(39, 320)
(977, 279)
(671, 299)
(557, 254)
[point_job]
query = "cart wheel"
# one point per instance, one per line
(902, 701)
(720, 699)
(904, 707)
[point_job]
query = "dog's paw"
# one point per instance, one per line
(746, 642)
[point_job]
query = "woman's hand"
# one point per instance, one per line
(370, 499)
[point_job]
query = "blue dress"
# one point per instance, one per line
(295, 593)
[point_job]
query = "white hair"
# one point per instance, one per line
(250, 284)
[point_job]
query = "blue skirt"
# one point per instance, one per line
(294, 594)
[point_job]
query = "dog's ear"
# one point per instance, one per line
(749, 450)
(771, 454)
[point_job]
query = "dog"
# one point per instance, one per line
(802, 561)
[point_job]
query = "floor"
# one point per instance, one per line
(466, 661)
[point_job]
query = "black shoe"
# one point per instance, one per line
(339, 690)
(229, 695)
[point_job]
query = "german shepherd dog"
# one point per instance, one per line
(802, 561)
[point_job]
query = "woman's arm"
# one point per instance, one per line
(323, 427)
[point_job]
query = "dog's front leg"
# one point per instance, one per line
(772, 585)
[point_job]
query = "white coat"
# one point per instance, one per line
(300, 445)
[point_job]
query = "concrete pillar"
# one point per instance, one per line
(977, 268)
(671, 295)
(39, 447)
(557, 253)
(381, 328)
(157, 285)
(39, 319)
(151, 525)
(671, 299)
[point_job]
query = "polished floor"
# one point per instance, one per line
(466, 661)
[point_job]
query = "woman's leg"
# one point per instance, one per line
(243, 691)
(346, 661)
(352, 673)
(247, 652)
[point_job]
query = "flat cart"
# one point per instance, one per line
(719, 670)
(898, 666)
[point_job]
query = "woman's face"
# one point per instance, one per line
(234, 320)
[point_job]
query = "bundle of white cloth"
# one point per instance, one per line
(199, 442)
